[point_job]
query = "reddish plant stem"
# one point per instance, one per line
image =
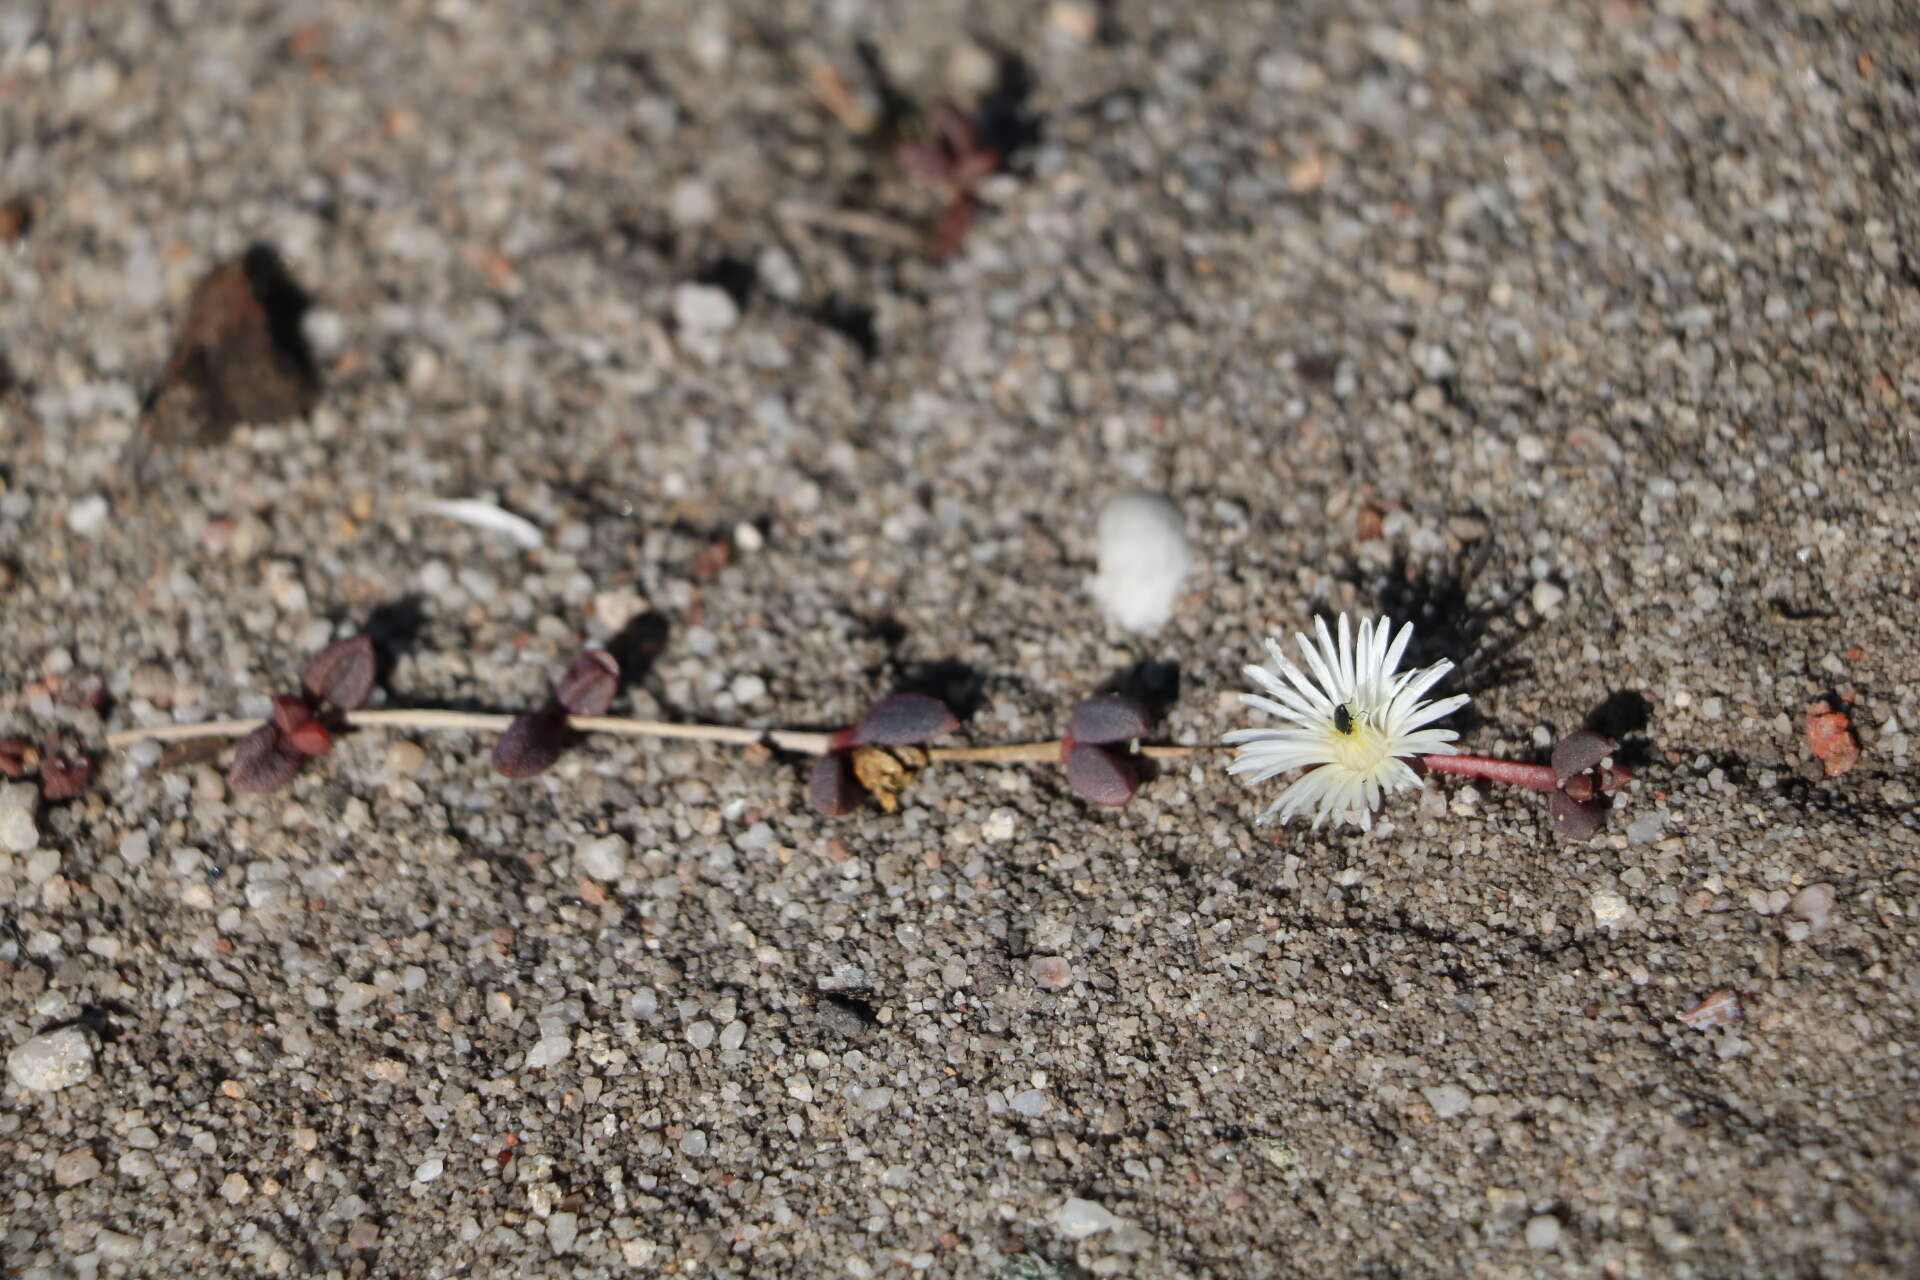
(1537, 776)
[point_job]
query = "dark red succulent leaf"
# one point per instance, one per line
(343, 672)
(64, 774)
(832, 788)
(588, 686)
(902, 718)
(1101, 775)
(1109, 717)
(1581, 787)
(531, 744)
(298, 727)
(1578, 752)
(1577, 820)
(16, 755)
(263, 761)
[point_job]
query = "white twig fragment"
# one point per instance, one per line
(488, 516)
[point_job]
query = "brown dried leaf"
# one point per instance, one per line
(888, 771)
(1717, 1010)
(239, 355)
(343, 672)
(1830, 738)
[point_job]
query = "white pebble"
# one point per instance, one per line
(18, 830)
(429, 1169)
(1543, 1232)
(1812, 906)
(562, 1230)
(693, 1143)
(1143, 558)
(733, 1036)
(1610, 910)
(1547, 598)
(603, 859)
(700, 1034)
(747, 689)
(1078, 1219)
(89, 515)
(1030, 1103)
(692, 203)
(999, 825)
(136, 848)
(1447, 1100)
(704, 308)
(548, 1050)
(52, 1060)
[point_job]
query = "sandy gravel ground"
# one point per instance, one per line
(1584, 333)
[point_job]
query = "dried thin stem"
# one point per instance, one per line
(851, 222)
(795, 740)
(1044, 752)
(480, 722)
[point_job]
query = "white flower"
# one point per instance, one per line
(1351, 722)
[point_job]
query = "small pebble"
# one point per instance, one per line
(52, 1060)
(1143, 558)
(1543, 1232)
(403, 759)
(1052, 972)
(88, 516)
(19, 832)
(76, 1167)
(1447, 1100)
(733, 1036)
(700, 1034)
(604, 859)
(548, 1050)
(429, 1169)
(704, 308)
(562, 1230)
(1078, 1219)
(693, 1143)
(118, 1246)
(1030, 1103)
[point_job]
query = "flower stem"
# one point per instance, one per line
(1537, 776)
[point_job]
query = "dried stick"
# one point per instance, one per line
(796, 740)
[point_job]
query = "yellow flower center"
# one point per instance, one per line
(1358, 745)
